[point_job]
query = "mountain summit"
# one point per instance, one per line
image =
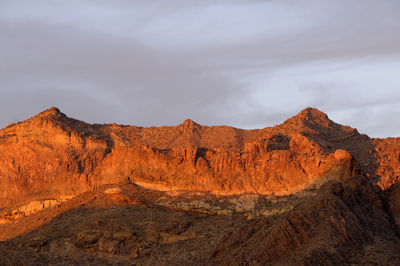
(313, 114)
(52, 111)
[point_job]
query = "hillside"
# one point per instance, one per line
(53, 155)
(307, 191)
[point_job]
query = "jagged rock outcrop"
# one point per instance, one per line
(53, 155)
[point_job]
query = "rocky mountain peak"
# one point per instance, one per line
(189, 126)
(52, 113)
(313, 115)
(311, 119)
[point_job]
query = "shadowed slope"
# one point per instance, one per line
(341, 223)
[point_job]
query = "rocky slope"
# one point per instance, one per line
(341, 223)
(53, 155)
(307, 191)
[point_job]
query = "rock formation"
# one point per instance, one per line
(307, 191)
(53, 155)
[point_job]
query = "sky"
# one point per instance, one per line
(248, 64)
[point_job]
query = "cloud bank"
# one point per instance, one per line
(247, 64)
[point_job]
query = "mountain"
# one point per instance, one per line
(53, 155)
(307, 191)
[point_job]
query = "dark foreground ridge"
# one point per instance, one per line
(308, 191)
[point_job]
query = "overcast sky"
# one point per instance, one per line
(247, 63)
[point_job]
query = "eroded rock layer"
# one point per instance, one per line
(53, 155)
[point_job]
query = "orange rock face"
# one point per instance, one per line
(53, 155)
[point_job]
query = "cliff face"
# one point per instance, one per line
(308, 191)
(52, 155)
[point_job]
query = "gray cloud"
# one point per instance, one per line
(142, 86)
(243, 63)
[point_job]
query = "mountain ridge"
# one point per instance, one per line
(220, 159)
(307, 191)
(76, 156)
